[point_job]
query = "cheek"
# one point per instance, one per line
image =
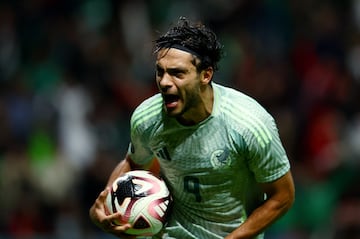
(188, 87)
(191, 93)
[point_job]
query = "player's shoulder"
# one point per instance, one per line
(242, 113)
(237, 101)
(150, 108)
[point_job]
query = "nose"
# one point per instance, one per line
(165, 82)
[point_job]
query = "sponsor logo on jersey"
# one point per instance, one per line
(163, 153)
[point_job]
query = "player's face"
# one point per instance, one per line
(181, 85)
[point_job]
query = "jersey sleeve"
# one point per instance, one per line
(143, 123)
(139, 150)
(267, 157)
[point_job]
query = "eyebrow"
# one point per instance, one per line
(158, 67)
(172, 70)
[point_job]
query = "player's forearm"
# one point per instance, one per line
(261, 218)
(123, 167)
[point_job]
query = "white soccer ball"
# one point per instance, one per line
(142, 199)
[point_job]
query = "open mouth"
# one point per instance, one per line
(171, 100)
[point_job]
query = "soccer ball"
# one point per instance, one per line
(142, 199)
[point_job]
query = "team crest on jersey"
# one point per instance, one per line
(219, 158)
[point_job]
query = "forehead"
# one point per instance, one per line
(172, 58)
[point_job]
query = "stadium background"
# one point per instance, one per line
(71, 72)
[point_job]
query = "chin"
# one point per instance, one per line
(173, 112)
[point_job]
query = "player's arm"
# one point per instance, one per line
(124, 166)
(280, 197)
(97, 211)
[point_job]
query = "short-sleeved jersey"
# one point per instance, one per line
(212, 168)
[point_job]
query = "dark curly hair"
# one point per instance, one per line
(196, 38)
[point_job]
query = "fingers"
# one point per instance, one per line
(121, 228)
(115, 217)
(119, 231)
(113, 223)
(103, 195)
(98, 211)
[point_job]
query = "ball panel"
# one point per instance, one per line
(142, 199)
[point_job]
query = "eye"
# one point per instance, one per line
(177, 73)
(159, 72)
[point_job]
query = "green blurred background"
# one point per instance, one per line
(72, 71)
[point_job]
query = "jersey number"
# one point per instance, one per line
(192, 185)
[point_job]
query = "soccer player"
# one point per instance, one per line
(218, 149)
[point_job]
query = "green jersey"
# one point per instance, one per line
(212, 168)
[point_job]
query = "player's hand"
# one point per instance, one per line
(106, 222)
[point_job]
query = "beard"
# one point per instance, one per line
(188, 110)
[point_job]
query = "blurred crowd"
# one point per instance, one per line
(72, 71)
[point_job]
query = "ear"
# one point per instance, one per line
(206, 75)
